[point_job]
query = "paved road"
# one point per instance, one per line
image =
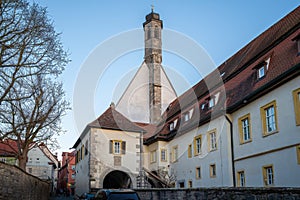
(61, 198)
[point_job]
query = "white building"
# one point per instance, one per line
(239, 126)
(43, 164)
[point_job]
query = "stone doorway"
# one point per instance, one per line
(117, 179)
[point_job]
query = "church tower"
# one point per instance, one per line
(150, 91)
(153, 59)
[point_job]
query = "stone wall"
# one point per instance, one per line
(220, 193)
(17, 184)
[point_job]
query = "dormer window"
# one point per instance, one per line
(211, 103)
(261, 72)
(202, 106)
(171, 126)
(186, 117)
(262, 68)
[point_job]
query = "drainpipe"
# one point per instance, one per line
(232, 150)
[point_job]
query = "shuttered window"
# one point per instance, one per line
(117, 147)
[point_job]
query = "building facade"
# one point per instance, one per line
(66, 173)
(237, 127)
(43, 164)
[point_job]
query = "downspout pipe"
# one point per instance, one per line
(232, 150)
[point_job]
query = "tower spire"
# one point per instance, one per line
(153, 59)
(152, 8)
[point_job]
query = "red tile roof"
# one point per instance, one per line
(8, 148)
(112, 119)
(239, 78)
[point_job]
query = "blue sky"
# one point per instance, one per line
(221, 28)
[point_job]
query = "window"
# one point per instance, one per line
(212, 140)
(175, 153)
(186, 117)
(82, 152)
(198, 172)
(153, 156)
(117, 147)
(269, 118)
(244, 129)
(296, 96)
(268, 175)
(86, 151)
(181, 184)
(298, 154)
(203, 106)
(163, 155)
(197, 145)
(212, 171)
(190, 183)
(73, 167)
(29, 170)
(73, 176)
(171, 126)
(211, 103)
(241, 178)
(261, 72)
(190, 151)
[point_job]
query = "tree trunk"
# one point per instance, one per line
(23, 160)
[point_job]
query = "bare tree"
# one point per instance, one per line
(29, 44)
(31, 58)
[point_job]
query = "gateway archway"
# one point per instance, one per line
(117, 179)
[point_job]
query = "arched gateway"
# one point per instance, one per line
(117, 179)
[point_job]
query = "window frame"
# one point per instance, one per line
(296, 98)
(212, 170)
(114, 147)
(171, 126)
(175, 153)
(266, 175)
(153, 156)
(241, 129)
(198, 172)
(190, 183)
(211, 102)
(298, 154)
(165, 155)
(197, 151)
(186, 116)
(264, 118)
(210, 142)
(241, 182)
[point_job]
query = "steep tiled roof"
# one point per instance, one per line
(112, 119)
(239, 78)
(8, 148)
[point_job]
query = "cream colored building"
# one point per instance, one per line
(237, 127)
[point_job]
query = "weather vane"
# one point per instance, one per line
(152, 7)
